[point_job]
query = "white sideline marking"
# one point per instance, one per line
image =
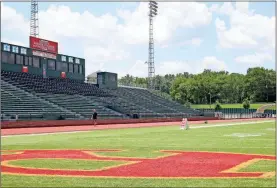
(192, 127)
(270, 129)
(229, 124)
(242, 135)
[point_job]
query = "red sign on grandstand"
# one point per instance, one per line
(63, 75)
(43, 45)
(44, 54)
(25, 69)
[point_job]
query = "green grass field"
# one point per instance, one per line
(252, 106)
(145, 142)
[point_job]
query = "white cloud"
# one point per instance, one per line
(226, 8)
(139, 69)
(254, 59)
(214, 7)
(19, 43)
(247, 29)
(173, 67)
(234, 37)
(192, 42)
(171, 16)
(61, 21)
(134, 29)
(213, 63)
(196, 41)
(12, 20)
(242, 6)
(100, 54)
(96, 57)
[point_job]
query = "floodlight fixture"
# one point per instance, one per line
(153, 8)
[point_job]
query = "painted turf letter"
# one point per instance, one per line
(177, 164)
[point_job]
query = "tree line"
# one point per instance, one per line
(257, 85)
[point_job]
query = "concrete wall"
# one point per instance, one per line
(56, 123)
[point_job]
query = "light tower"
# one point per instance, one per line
(153, 11)
(34, 25)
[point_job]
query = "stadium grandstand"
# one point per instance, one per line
(38, 83)
(42, 84)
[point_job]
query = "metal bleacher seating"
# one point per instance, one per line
(124, 106)
(38, 84)
(65, 93)
(33, 96)
(152, 102)
(15, 101)
(82, 105)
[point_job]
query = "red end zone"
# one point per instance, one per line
(176, 164)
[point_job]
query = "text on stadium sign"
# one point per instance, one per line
(44, 54)
(43, 45)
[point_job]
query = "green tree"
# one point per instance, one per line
(258, 85)
(246, 104)
(217, 106)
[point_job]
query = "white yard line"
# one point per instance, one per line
(192, 127)
(230, 124)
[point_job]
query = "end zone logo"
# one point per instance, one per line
(174, 164)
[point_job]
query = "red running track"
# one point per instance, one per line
(20, 131)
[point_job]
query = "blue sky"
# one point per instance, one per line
(188, 36)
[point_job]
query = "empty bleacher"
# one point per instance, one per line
(38, 84)
(126, 107)
(80, 104)
(26, 94)
(15, 101)
(68, 94)
(148, 100)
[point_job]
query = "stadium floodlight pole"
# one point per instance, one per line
(153, 11)
(34, 25)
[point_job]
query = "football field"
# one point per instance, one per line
(206, 155)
